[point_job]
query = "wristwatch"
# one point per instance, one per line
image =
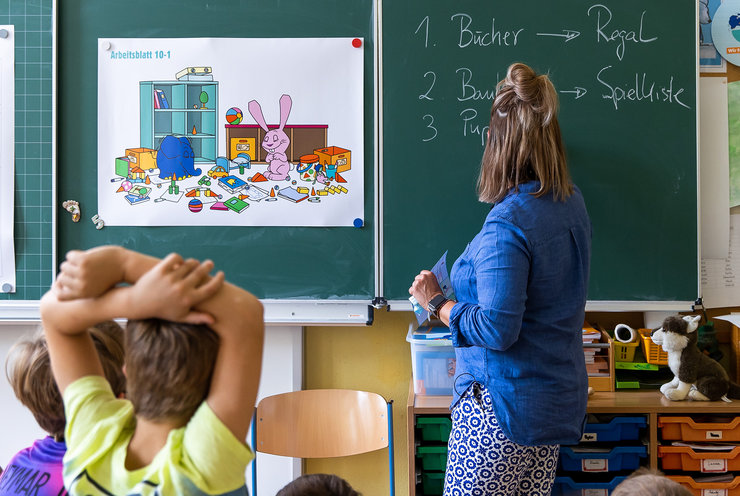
(436, 304)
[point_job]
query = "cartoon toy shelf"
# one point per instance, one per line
(180, 108)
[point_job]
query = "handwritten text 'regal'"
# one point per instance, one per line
(621, 36)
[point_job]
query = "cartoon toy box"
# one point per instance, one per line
(144, 158)
(334, 155)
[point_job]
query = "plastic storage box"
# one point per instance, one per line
(624, 352)
(616, 429)
(687, 429)
(653, 353)
(434, 428)
(573, 459)
(432, 457)
(432, 360)
(432, 483)
(687, 459)
(565, 486)
(729, 488)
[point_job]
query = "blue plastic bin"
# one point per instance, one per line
(565, 486)
(610, 460)
(617, 429)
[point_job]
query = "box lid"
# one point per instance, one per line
(430, 335)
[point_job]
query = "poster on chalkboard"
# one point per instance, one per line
(230, 131)
(7, 158)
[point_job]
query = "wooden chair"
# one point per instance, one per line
(323, 423)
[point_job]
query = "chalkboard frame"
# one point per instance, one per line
(418, 229)
(290, 296)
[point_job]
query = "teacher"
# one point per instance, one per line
(520, 382)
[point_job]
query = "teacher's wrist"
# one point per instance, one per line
(435, 304)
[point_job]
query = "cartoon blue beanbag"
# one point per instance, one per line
(175, 158)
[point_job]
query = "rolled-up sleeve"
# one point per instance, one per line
(501, 262)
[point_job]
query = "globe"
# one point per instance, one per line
(234, 116)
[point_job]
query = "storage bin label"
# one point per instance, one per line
(589, 437)
(714, 435)
(716, 465)
(714, 492)
(595, 465)
(595, 492)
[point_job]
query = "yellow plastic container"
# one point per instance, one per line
(653, 353)
(624, 352)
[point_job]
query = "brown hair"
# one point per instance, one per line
(318, 485)
(169, 367)
(524, 141)
(28, 369)
(649, 482)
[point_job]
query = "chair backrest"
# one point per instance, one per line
(322, 423)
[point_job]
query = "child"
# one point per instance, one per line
(38, 468)
(193, 360)
(318, 485)
(647, 482)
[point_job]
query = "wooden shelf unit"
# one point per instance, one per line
(649, 403)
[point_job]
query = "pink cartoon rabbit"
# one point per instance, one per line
(276, 141)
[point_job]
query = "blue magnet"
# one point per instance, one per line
(358, 222)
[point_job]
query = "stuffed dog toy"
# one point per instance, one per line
(697, 376)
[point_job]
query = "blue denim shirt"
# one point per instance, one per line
(521, 293)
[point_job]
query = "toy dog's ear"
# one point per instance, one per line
(692, 321)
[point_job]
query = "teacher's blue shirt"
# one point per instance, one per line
(521, 293)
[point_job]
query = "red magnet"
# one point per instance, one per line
(357, 43)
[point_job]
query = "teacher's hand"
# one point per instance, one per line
(424, 287)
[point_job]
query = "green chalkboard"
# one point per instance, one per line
(33, 230)
(313, 263)
(626, 71)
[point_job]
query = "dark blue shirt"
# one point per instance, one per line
(521, 289)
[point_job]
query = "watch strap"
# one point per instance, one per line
(436, 304)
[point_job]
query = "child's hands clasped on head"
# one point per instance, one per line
(173, 287)
(168, 291)
(80, 273)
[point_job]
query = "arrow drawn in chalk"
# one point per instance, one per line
(568, 34)
(578, 91)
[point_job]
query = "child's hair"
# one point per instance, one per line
(649, 482)
(318, 485)
(169, 366)
(28, 369)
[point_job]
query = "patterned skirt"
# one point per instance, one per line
(482, 461)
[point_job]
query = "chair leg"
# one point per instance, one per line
(391, 469)
(254, 450)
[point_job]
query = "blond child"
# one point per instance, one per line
(648, 482)
(38, 469)
(193, 359)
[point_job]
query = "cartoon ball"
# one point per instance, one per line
(195, 205)
(234, 115)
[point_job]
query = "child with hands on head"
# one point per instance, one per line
(38, 469)
(193, 359)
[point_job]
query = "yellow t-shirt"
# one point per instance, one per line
(201, 458)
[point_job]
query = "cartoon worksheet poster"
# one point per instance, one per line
(230, 131)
